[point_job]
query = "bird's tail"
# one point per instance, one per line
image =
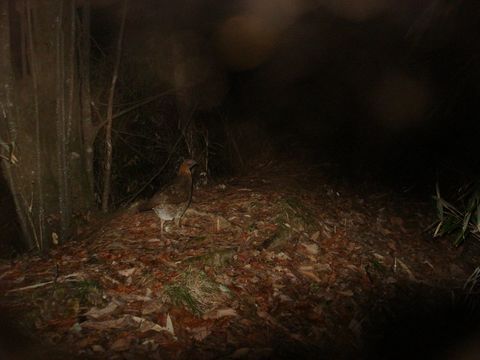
(142, 205)
(135, 207)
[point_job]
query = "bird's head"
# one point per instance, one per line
(186, 167)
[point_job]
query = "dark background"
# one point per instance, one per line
(383, 89)
(386, 92)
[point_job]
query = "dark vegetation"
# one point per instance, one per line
(336, 211)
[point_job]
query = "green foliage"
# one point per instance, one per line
(196, 291)
(179, 294)
(88, 292)
(461, 217)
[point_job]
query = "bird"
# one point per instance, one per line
(171, 202)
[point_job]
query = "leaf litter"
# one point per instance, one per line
(258, 269)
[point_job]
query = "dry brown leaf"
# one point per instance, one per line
(98, 348)
(348, 293)
(312, 249)
(147, 325)
(282, 256)
(353, 268)
(96, 313)
(169, 325)
(323, 267)
(86, 341)
(384, 231)
(104, 325)
(151, 307)
(128, 272)
(306, 268)
(121, 344)
(310, 275)
(216, 314)
(266, 316)
(201, 332)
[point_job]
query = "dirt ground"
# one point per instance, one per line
(282, 263)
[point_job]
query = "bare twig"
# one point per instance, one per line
(38, 149)
(131, 198)
(129, 109)
(71, 277)
(88, 130)
(60, 122)
(108, 129)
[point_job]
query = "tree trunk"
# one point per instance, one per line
(44, 153)
(88, 130)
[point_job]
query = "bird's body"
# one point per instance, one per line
(171, 202)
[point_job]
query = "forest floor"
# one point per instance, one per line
(283, 263)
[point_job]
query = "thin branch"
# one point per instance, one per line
(88, 131)
(38, 147)
(70, 278)
(60, 120)
(127, 110)
(131, 198)
(71, 71)
(108, 129)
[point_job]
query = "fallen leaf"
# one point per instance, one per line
(306, 268)
(323, 267)
(147, 325)
(98, 348)
(169, 325)
(86, 341)
(104, 325)
(311, 248)
(216, 314)
(282, 256)
(128, 272)
(151, 307)
(121, 344)
(96, 313)
(308, 271)
(348, 293)
(310, 275)
(266, 316)
(352, 267)
(200, 333)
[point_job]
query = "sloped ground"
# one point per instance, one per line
(280, 264)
